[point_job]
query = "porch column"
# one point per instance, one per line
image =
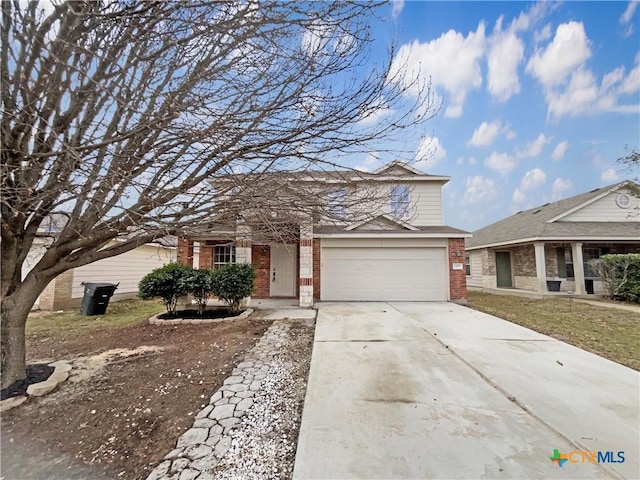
(185, 251)
(243, 244)
(578, 267)
(541, 266)
(306, 266)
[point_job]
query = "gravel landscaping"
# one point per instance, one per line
(250, 427)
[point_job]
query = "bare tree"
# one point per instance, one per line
(117, 113)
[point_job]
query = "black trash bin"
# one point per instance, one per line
(96, 297)
(588, 286)
(553, 285)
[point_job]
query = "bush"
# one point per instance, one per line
(166, 282)
(620, 275)
(233, 282)
(198, 283)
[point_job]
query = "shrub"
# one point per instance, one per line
(620, 275)
(166, 282)
(199, 284)
(233, 282)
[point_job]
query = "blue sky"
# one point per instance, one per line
(540, 99)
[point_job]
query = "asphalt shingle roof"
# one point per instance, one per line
(532, 223)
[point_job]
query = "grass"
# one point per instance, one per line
(118, 314)
(609, 332)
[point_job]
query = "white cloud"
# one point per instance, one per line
(535, 14)
(561, 186)
(487, 132)
(429, 153)
(533, 179)
(579, 95)
(518, 196)
(398, 5)
(370, 163)
(478, 188)
(625, 18)
(628, 13)
(631, 83)
(434, 61)
(568, 50)
(460, 161)
(506, 52)
(543, 34)
(570, 88)
(609, 175)
(500, 162)
(560, 150)
(534, 147)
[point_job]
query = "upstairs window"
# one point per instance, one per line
(223, 254)
(400, 201)
(337, 200)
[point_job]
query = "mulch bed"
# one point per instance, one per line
(36, 373)
(195, 315)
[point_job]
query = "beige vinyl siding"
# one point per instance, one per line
(606, 210)
(126, 269)
(475, 280)
(426, 203)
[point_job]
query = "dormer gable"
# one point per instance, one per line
(398, 168)
(381, 222)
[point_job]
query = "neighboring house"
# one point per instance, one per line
(127, 269)
(554, 242)
(400, 251)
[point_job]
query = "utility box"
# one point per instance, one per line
(96, 297)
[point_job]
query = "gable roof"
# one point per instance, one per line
(543, 222)
(382, 219)
(393, 171)
(398, 165)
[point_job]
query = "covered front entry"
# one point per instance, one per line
(503, 270)
(388, 270)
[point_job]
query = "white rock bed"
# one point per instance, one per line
(245, 430)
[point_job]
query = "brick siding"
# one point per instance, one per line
(457, 278)
(261, 258)
(184, 254)
(316, 269)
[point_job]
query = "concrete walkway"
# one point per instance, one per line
(428, 390)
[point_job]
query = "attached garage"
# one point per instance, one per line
(389, 269)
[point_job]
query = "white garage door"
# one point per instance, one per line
(383, 273)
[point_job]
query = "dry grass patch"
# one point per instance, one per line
(118, 314)
(608, 332)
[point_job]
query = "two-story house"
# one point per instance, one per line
(390, 246)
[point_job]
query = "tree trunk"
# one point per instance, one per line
(14, 312)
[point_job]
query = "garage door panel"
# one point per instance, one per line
(393, 274)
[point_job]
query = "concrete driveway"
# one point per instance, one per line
(436, 390)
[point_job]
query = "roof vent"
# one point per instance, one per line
(519, 212)
(536, 211)
(546, 204)
(594, 190)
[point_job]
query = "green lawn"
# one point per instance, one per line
(118, 314)
(608, 332)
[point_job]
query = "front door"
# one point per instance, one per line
(283, 271)
(503, 269)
